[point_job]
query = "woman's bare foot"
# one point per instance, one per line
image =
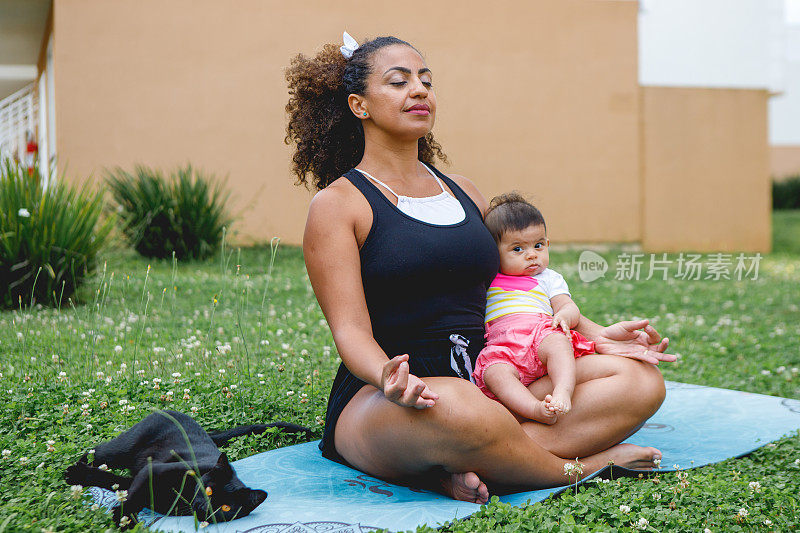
(634, 457)
(466, 487)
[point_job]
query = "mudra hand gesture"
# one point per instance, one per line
(403, 388)
(635, 339)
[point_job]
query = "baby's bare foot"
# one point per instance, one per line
(556, 405)
(635, 457)
(466, 487)
(561, 402)
(543, 411)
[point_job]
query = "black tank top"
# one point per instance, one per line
(425, 287)
(424, 280)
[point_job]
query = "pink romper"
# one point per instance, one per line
(518, 317)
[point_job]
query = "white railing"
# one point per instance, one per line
(18, 120)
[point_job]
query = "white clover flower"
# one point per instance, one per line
(122, 495)
(76, 491)
(6, 453)
(24, 213)
(221, 370)
(115, 486)
(755, 486)
(765, 372)
(743, 512)
(194, 409)
(124, 521)
(642, 523)
(118, 348)
(19, 335)
(123, 401)
(203, 524)
(657, 462)
(176, 375)
(767, 522)
(290, 393)
(103, 467)
(625, 509)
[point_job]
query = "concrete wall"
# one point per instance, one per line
(705, 169)
(539, 96)
(784, 161)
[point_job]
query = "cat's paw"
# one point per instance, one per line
(78, 474)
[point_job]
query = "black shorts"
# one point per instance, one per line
(439, 356)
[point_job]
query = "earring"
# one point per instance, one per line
(365, 113)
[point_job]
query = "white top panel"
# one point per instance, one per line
(711, 43)
(784, 109)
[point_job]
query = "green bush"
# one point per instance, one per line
(49, 237)
(786, 193)
(185, 213)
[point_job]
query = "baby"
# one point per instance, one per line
(529, 318)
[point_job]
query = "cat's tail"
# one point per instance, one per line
(221, 438)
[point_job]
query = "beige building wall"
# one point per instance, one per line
(539, 96)
(705, 169)
(784, 161)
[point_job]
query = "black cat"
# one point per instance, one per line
(176, 468)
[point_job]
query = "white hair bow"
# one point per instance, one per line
(349, 45)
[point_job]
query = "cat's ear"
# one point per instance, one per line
(256, 497)
(222, 464)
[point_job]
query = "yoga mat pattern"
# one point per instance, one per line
(695, 426)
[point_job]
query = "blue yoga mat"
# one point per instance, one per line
(695, 426)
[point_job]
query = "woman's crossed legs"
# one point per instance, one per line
(467, 439)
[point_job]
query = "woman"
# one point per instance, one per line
(399, 261)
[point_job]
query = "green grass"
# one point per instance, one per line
(63, 380)
(786, 232)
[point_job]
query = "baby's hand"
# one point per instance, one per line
(560, 321)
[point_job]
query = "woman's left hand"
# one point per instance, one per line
(636, 339)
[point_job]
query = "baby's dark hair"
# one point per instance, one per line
(511, 212)
(329, 139)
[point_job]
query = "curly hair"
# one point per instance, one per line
(329, 138)
(511, 212)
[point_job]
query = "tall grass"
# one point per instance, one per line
(184, 213)
(49, 237)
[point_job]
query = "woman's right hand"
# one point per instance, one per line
(403, 388)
